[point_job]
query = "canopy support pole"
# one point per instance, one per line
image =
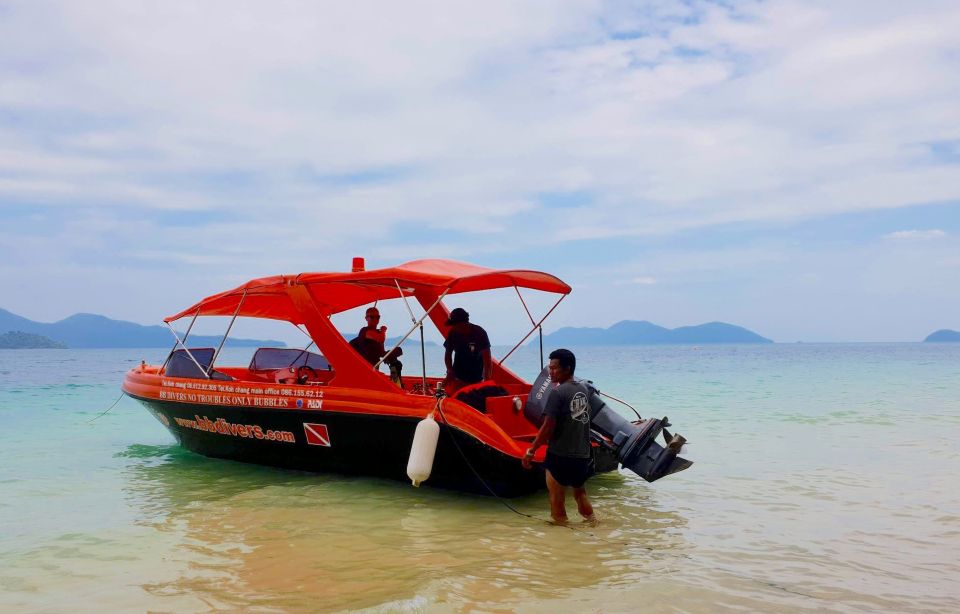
(180, 343)
(174, 348)
(226, 334)
(524, 303)
(423, 361)
(423, 349)
(306, 334)
(540, 330)
(410, 332)
(535, 327)
(406, 303)
(304, 350)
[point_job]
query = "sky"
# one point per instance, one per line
(789, 167)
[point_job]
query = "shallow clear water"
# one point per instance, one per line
(825, 480)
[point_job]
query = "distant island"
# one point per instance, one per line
(87, 330)
(943, 336)
(19, 340)
(632, 332)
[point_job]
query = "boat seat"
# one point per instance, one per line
(269, 359)
(289, 376)
(476, 395)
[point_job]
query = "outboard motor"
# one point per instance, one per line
(634, 443)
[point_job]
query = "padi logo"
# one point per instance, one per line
(578, 408)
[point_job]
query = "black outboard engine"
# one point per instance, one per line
(633, 443)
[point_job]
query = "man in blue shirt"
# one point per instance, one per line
(566, 432)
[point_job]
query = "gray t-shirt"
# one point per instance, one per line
(568, 404)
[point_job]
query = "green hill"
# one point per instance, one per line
(18, 340)
(87, 330)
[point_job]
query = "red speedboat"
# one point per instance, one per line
(331, 410)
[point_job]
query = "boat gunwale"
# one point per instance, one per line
(148, 387)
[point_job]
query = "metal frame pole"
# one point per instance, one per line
(202, 370)
(415, 325)
(187, 334)
(537, 325)
(226, 334)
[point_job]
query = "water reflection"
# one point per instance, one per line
(254, 536)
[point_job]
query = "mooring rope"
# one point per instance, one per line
(476, 474)
(104, 412)
(649, 549)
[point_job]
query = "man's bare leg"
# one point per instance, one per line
(558, 495)
(583, 503)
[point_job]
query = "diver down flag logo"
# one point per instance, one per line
(317, 434)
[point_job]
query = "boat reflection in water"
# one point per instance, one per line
(235, 536)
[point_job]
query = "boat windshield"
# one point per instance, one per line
(283, 358)
(196, 364)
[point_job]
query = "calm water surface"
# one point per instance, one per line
(825, 480)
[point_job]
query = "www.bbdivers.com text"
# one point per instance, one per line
(221, 426)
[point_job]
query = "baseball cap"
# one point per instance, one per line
(458, 315)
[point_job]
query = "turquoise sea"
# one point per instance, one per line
(826, 479)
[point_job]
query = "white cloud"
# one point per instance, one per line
(119, 114)
(753, 112)
(915, 235)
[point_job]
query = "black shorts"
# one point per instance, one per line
(569, 471)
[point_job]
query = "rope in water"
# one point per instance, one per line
(103, 413)
(650, 549)
(476, 474)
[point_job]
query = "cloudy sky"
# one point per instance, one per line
(791, 167)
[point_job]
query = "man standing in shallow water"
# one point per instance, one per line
(566, 431)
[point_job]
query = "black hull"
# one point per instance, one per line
(359, 444)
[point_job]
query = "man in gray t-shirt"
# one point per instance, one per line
(566, 431)
(568, 405)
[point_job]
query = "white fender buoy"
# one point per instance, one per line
(423, 449)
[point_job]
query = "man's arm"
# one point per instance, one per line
(483, 344)
(550, 411)
(543, 436)
(378, 335)
(448, 360)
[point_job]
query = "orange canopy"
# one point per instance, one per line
(268, 297)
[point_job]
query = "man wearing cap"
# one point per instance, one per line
(467, 354)
(370, 344)
(375, 337)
